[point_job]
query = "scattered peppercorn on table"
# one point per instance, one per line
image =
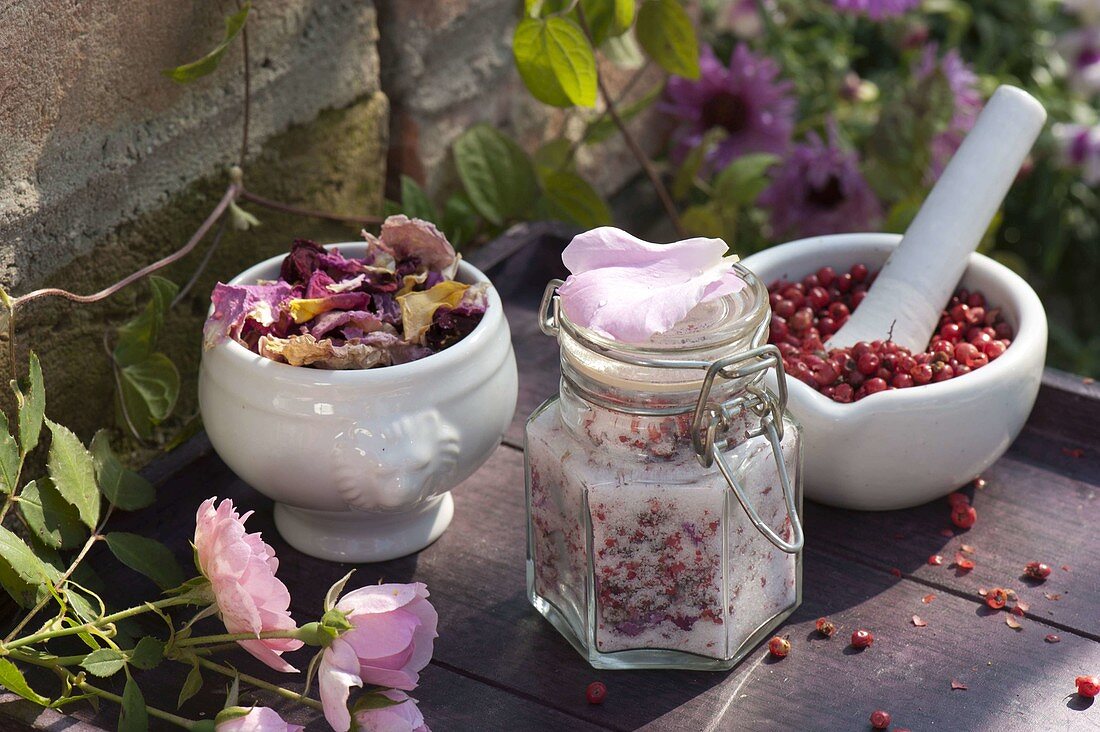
(967, 632)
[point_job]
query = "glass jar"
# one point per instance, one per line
(664, 490)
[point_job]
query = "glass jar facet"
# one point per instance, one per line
(637, 553)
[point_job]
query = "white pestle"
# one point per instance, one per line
(906, 299)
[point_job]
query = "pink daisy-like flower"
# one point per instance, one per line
(876, 9)
(963, 83)
(241, 569)
(391, 640)
(819, 190)
(1081, 50)
(1080, 145)
(745, 99)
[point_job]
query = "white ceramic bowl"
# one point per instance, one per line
(360, 463)
(903, 447)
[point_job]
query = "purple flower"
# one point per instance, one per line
(876, 9)
(1080, 146)
(1081, 50)
(819, 190)
(967, 102)
(745, 100)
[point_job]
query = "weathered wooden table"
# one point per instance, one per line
(499, 666)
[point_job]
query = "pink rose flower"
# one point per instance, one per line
(258, 719)
(394, 627)
(241, 569)
(403, 717)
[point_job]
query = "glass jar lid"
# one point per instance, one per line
(669, 367)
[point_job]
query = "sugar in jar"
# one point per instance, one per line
(664, 490)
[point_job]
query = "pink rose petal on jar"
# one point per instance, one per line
(628, 289)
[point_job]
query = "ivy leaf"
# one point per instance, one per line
(122, 487)
(575, 200)
(137, 338)
(133, 717)
(496, 173)
(50, 517)
(556, 61)
(608, 18)
(208, 63)
(32, 406)
(147, 654)
(9, 458)
(25, 577)
(146, 556)
(191, 685)
(414, 202)
(149, 392)
(665, 31)
(743, 179)
(104, 662)
(11, 678)
(73, 472)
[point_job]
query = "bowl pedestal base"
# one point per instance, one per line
(361, 536)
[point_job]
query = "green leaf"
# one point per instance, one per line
(414, 202)
(137, 338)
(240, 219)
(743, 179)
(149, 391)
(208, 63)
(665, 31)
(147, 654)
(555, 61)
(32, 406)
(50, 517)
(191, 685)
(104, 662)
(25, 577)
(367, 702)
(133, 717)
(575, 200)
(608, 18)
(9, 458)
(460, 220)
(703, 220)
(496, 173)
(73, 472)
(122, 487)
(624, 51)
(11, 678)
(147, 556)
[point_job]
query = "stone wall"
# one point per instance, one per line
(106, 165)
(447, 65)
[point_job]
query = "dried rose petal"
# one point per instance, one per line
(1052, 638)
(917, 621)
(963, 564)
(1022, 606)
(958, 685)
(1012, 622)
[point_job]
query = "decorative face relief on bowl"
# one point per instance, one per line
(395, 468)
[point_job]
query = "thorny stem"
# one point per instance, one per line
(232, 637)
(96, 536)
(231, 192)
(105, 620)
(258, 683)
(202, 265)
(635, 148)
(325, 215)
